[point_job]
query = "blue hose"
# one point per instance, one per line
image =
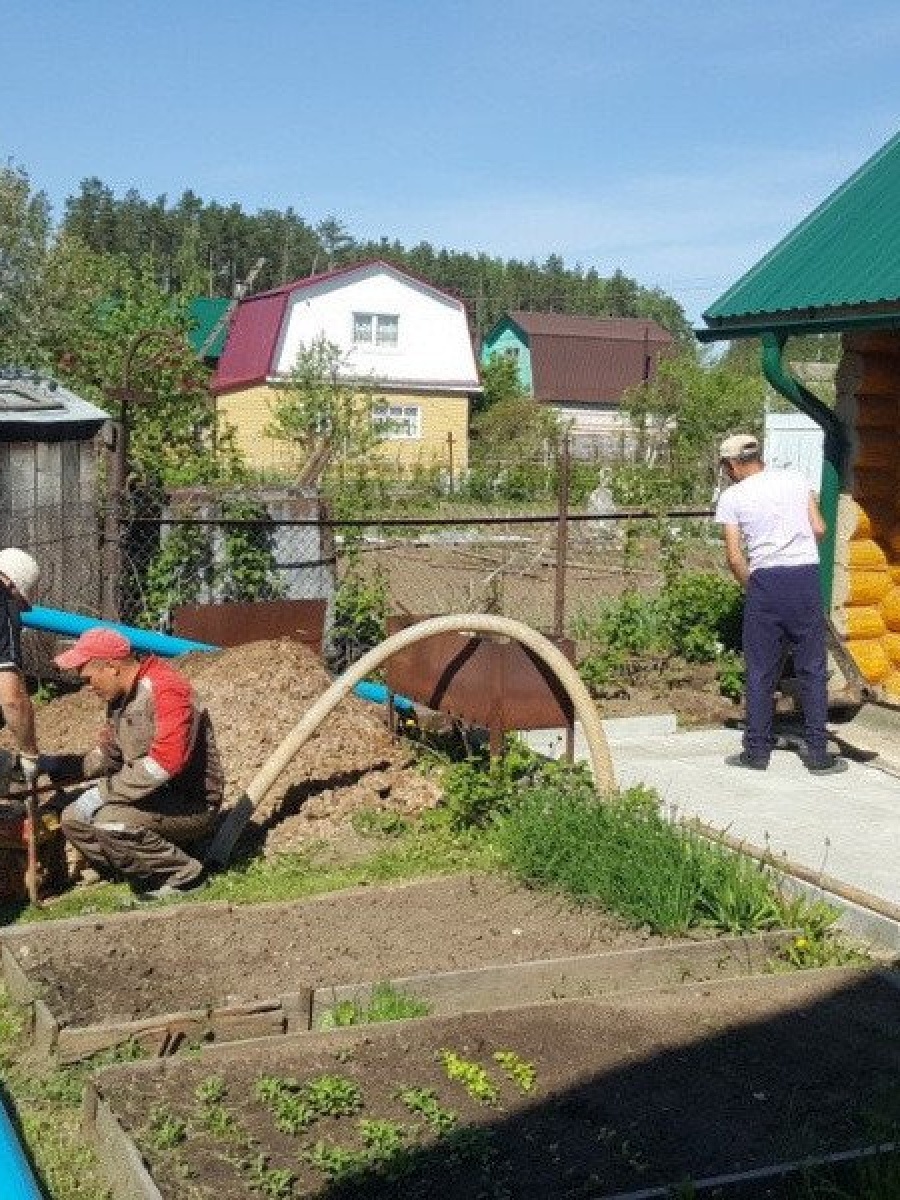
(147, 641)
(18, 1180)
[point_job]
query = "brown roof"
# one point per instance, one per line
(567, 325)
(586, 360)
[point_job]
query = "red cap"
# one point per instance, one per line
(99, 642)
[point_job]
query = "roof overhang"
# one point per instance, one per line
(800, 322)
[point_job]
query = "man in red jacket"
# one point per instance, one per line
(160, 779)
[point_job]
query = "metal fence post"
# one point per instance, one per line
(562, 537)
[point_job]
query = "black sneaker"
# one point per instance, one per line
(825, 764)
(747, 760)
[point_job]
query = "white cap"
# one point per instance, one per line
(739, 445)
(20, 569)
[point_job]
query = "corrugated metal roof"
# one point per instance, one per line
(252, 338)
(255, 326)
(844, 257)
(572, 326)
(594, 370)
(204, 312)
(33, 400)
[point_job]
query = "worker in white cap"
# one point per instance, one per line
(19, 574)
(773, 524)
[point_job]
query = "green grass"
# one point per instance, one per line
(622, 854)
(48, 1105)
(386, 1003)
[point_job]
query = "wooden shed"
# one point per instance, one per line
(839, 272)
(48, 485)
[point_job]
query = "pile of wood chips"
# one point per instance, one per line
(256, 694)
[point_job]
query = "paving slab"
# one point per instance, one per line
(846, 827)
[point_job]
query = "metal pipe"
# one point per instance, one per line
(836, 446)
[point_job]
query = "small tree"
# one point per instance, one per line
(695, 405)
(500, 382)
(322, 412)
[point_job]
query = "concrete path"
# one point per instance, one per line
(844, 826)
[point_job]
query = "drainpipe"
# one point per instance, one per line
(836, 446)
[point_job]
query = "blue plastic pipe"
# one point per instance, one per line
(17, 1178)
(147, 641)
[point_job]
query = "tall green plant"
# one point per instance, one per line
(248, 570)
(179, 574)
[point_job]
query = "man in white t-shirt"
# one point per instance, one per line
(772, 526)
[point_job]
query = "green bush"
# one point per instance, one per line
(702, 615)
(621, 853)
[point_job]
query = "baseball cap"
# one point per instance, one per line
(20, 569)
(99, 642)
(739, 445)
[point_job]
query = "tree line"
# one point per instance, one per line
(207, 248)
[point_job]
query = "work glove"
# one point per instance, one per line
(85, 805)
(29, 766)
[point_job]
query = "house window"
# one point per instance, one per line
(398, 422)
(378, 329)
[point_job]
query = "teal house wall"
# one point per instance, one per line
(507, 338)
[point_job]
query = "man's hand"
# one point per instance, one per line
(85, 805)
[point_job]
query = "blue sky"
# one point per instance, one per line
(675, 139)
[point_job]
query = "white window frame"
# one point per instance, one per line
(378, 326)
(398, 422)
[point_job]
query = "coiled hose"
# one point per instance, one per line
(586, 713)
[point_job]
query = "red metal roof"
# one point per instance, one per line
(255, 327)
(608, 328)
(252, 338)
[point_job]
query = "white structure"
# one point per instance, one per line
(390, 326)
(793, 439)
(398, 335)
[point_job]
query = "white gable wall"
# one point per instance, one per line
(433, 345)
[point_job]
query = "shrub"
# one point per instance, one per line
(623, 854)
(702, 615)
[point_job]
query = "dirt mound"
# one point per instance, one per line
(256, 694)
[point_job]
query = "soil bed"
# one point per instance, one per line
(630, 1093)
(134, 965)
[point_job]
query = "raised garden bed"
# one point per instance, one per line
(595, 1097)
(189, 974)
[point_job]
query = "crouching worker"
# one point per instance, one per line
(159, 775)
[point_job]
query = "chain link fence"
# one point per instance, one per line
(532, 570)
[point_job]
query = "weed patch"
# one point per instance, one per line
(622, 853)
(387, 1003)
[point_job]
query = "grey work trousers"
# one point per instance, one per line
(141, 846)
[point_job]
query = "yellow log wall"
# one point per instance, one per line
(866, 603)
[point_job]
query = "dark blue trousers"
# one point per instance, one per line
(783, 611)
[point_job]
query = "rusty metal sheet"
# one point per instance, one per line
(491, 682)
(235, 624)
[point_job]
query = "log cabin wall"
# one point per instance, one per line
(866, 595)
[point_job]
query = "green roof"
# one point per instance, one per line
(839, 268)
(204, 312)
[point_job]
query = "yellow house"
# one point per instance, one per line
(404, 341)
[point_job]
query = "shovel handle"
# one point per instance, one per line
(31, 866)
